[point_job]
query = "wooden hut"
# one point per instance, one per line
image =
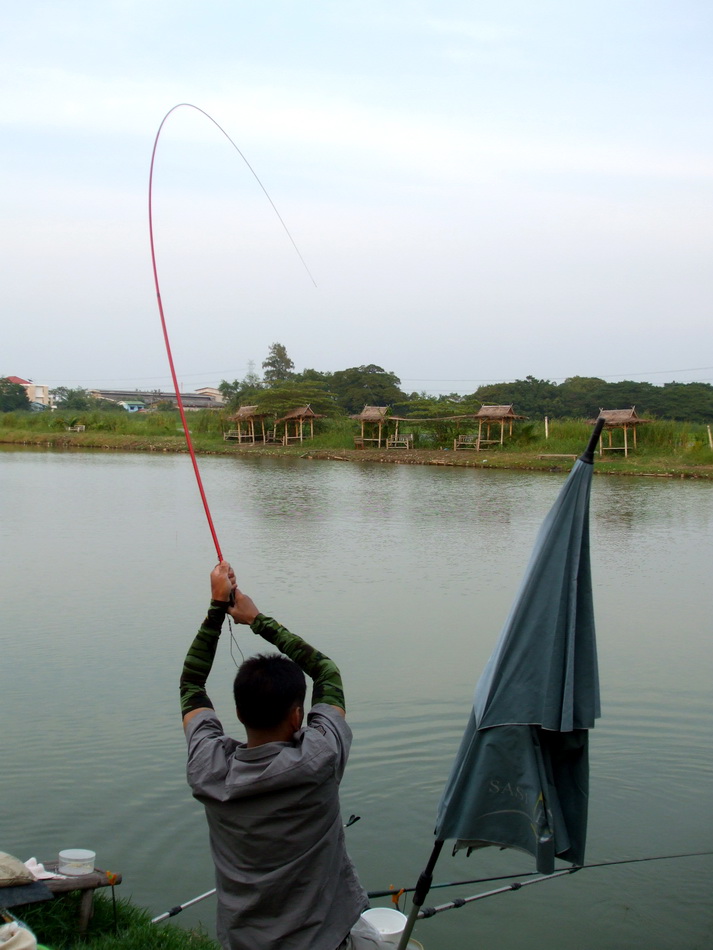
(245, 421)
(294, 422)
(488, 416)
(375, 421)
(625, 419)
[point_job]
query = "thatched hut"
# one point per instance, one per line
(494, 415)
(244, 423)
(624, 419)
(294, 422)
(375, 421)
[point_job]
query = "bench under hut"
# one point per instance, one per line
(294, 424)
(624, 419)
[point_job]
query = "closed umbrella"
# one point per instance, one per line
(521, 776)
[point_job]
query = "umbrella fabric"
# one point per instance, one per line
(521, 775)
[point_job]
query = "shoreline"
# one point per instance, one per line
(636, 465)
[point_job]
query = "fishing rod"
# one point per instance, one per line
(460, 901)
(457, 902)
(179, 400)
(506, 877)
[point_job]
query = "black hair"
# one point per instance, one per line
(266, 688)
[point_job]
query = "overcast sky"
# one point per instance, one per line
(481, 190)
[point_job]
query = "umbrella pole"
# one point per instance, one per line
(422, 888)
(588, 454)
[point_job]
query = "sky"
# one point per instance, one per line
(480, 191)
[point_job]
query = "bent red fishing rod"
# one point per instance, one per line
(179, 401)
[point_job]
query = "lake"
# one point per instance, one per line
(404, 575)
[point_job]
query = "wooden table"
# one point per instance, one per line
(86, 883)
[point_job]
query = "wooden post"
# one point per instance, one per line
(547, 428)
(710, 437)
(626, 442)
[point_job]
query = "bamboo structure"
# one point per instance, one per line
(491, 415)
(624, 419)
(374, 419)
(294, 424)
(244, 421)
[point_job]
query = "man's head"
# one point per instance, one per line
(267, 689)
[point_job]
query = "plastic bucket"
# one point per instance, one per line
(76, 861)
(390, 923)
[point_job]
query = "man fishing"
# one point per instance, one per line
(284, 878)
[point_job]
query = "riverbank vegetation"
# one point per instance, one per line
(113, 927)
(664, 447)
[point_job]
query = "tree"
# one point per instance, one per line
(13, 396)
(278, 366)
(529, 396)
(242, 392)
(582, 397)
(290, 394)
(370, 385)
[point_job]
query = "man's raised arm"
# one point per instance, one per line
(327, 681)
(201, 653)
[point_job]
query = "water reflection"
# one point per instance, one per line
(405, 575)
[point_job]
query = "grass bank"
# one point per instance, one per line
(125, 928)
(664, 449)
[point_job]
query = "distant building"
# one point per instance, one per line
(211, 391)
(189, 400)
(36, 392)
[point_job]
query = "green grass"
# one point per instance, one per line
(663, 447)
(54, 925)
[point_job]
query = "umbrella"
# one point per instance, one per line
(521, 776)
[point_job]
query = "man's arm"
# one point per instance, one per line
(201, 653)
(327, 681)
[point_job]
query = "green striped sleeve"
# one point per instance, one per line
(199, 660)
(327, 686)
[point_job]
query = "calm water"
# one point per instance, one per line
(404, 575)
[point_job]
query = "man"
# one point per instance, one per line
(284, 879)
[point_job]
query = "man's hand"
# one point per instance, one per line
(222, 582)
(243, 610)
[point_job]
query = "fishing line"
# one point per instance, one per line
(234, 642)
(179, 401)
(460, 901)
(507, 877)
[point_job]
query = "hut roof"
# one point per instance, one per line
(619, 417)
(248, 412)
(373, 414)
(497, 413)
(302, 412)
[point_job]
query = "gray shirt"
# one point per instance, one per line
(283, 875)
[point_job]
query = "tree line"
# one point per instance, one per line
(346, 391)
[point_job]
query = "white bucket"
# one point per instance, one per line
(390, 923)
(76, 861)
